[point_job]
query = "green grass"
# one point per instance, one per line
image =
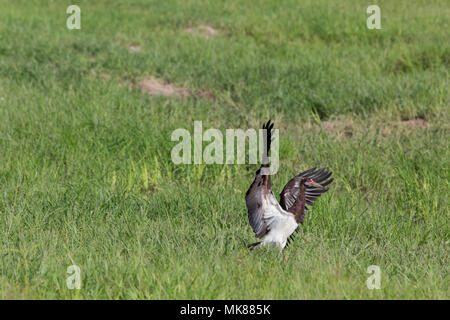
(86, 176)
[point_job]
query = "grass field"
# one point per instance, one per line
(86, 176)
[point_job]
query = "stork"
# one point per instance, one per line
(275, 222)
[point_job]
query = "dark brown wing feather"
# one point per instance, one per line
(292, 189)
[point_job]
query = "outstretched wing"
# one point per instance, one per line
(262, 205)
(254, 200)
(292, 189)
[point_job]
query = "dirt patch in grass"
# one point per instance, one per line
(134, 48)
(158, 87)
(418, 123)
(206, 94)
(203, 30)
(348, 128)
(341, 127)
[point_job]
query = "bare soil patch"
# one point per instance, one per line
(348, 128)
(158, 87)
(134, 48)
(205, 94)
(418, 123)
(203, 30)
(338, 127)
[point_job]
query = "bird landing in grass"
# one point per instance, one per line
(273, 222)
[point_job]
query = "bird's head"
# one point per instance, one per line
(312, 183)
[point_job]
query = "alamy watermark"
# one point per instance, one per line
(374, 281)
(374, 20)
(74, 20)
(213, 152)
(74, 280)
